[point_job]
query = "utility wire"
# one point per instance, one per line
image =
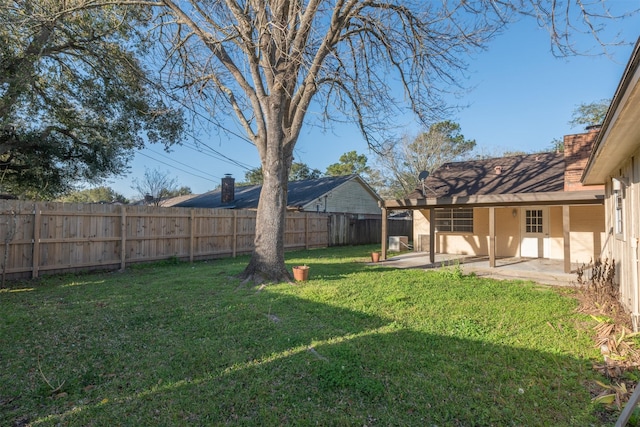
(208, 119)
(172, 166)
(218, 155)
(184, 164)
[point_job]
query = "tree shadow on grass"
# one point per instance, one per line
(275, 359)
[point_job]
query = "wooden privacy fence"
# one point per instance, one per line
(40, 238)
(347, 229)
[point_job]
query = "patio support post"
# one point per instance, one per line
(566, 223)
(432, 235)
(492, 237)
(383, 255)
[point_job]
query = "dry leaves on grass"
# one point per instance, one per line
(598, 295)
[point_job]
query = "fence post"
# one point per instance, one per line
(123, 237)
(35, 258)
(192, 231)
(384, 233)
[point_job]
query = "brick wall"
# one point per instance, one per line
(577, 149)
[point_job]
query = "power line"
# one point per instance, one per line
(172, 166)
(184, 164)
(218, 155)
(198, 150)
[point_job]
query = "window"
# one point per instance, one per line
(617, 199)
(454, 220)
(533, 221)
(619, 184)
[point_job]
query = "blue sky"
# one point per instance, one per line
(520, 98)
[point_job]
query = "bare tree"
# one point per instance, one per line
(156, 186)
(271, 62)
(400, 163)
(268, 60)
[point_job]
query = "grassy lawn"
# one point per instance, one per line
(187, 344)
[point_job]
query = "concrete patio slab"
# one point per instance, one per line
(539, 270)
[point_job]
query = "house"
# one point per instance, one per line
(173, 201)
(344, 194)
(615, 163)
(529, 206)
(163, 202)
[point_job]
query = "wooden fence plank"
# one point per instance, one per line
(60, 237)
(123, 238)
(35, 257)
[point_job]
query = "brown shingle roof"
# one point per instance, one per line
(532, 173)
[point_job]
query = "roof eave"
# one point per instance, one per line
(557, 198)
(620, 125)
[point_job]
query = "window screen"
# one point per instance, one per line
(454, 220)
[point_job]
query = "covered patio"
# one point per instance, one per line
(562, 200)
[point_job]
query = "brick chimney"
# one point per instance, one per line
(577, 149)
(228, 193)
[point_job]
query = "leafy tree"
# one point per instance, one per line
(590, 114)
(272, 62)
(350, 163)
(93, 195)
(584, 115)
(557, 145)
(74, 100)
(182, 191)
(156, 186)
(253, 177)
(400, 163)
(299, 172)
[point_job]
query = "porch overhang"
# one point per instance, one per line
(557, 198)
(493, 201)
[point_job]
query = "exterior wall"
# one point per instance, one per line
(476, 243)
(587, 233)
(623, 248)
(420, 227)
(350, 197)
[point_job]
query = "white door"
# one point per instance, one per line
(535, 233)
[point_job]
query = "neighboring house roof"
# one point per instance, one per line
(300, 193)
(175, 200)
(532, 173)
(617, 140)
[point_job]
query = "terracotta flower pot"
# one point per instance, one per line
(375, 256)
(301, 273)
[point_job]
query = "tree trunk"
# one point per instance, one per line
(267, 260)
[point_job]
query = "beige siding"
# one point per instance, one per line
(507, 232)
(586, 232)
(623, 247)
(350, 197)
(420, 226)
(476, 243)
